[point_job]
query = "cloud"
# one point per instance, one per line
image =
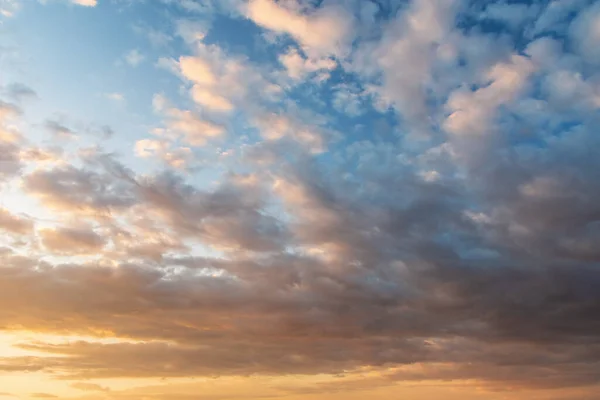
(513, 15)
(10, 138)
(14, 224)
(67, 188)
(19, 92)
(134, 57)
(85, 3)
(446, 234)
(71, 240)
(8, 8)
(195, 130)
(471, 112)
(8, 110)
(274, 127)
(421, 33)
(323, 31)
(298, 66)
(115, 96)
(585, 31)
(59, 130)
(176, 158)
(221, 82)
(89, 387)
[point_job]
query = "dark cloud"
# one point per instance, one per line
(19, 92)
(59, 130)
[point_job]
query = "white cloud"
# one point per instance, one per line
(407, 54)
(326, 30)
(275, 126)
(472, 111)
(210, 99)
(220, 82)
(85, 3)
(178, 157)
(298, 66)
(195, 130)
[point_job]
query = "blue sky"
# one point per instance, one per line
(360, 196)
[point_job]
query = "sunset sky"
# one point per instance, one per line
(299, 199)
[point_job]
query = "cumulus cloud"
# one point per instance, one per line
(298, 66)
(176, 157)
(322, 31)
(471, 112)
(274, 127)
(71, 240)
(221, 82)
(585, 31)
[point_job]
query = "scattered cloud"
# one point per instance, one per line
(115, 96)
(387, 195)
(321, 31)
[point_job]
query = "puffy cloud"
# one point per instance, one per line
(298, 66)
(67, 188)
(406, 54)
(585, 32)
(471, 112)
(71, 240)
(177, 158)
(274, 126)
(196, 131)
(15, 224)
(221, 82)
(322, 31)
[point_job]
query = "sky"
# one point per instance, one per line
(299, 199)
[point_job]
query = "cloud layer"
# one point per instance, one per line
(408, 189)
